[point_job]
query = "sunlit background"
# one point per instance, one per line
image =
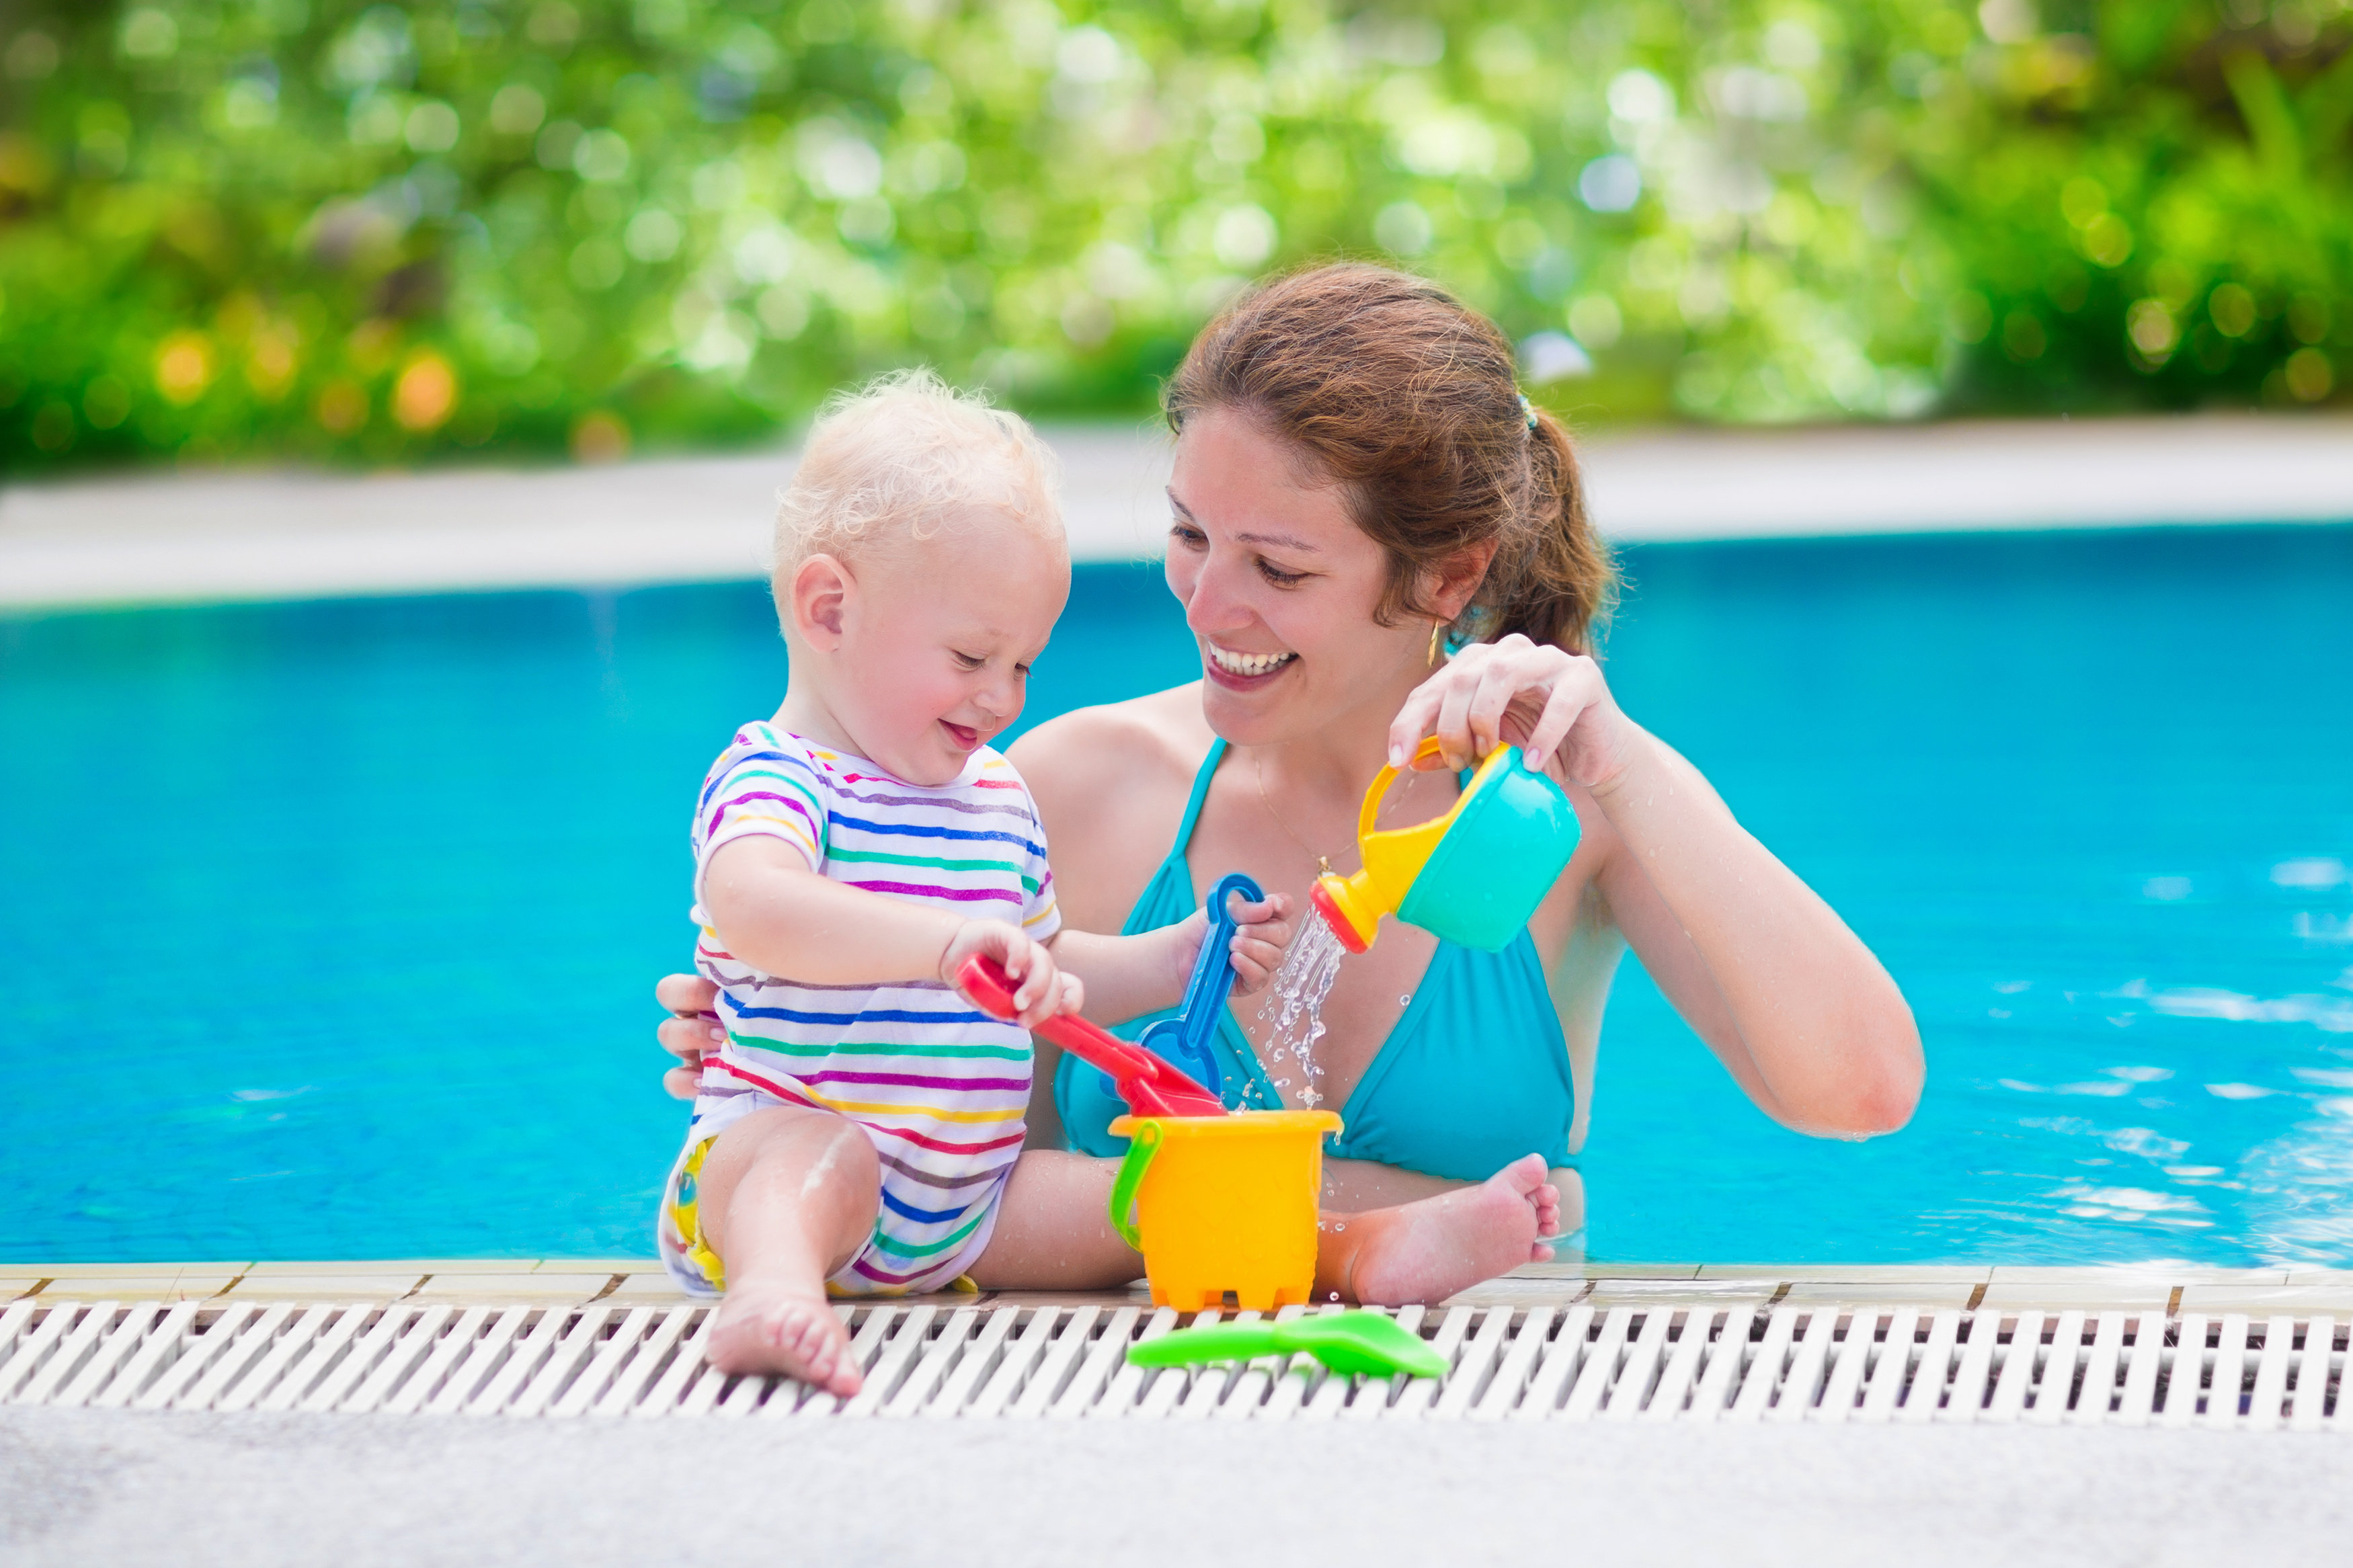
(374, 233)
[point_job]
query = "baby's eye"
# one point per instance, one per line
(966, 660)
(1023, 671)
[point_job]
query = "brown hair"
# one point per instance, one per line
(1392, 388)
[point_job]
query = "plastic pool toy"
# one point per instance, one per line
(1369, 1343)
(1184, 1038)
(1149, 1085)
(1223, 1204)
(1472, 875)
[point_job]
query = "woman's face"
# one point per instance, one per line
(1279, 587)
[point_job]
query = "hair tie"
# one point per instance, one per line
(1529, 409)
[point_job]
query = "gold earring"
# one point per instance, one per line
(1437, 630)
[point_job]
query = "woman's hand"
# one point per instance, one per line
(1552, 704)
(692, 1028)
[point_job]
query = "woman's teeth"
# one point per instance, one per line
(1248, 663)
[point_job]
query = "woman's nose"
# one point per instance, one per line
(1215, 604)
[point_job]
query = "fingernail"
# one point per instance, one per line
(1397, 757)
(718, 1034)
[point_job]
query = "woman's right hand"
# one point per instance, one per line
(1552, 703)
(691, 1029)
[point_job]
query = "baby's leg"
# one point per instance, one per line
(1053, 1228)
(787, 1196)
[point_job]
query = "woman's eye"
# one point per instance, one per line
(1185, 534)
(1279, 577)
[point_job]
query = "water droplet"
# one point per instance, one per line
(1406, 1000)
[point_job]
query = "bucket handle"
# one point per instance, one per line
(1142, 1145)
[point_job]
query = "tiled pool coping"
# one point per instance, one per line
(558, 1281)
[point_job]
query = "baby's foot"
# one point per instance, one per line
(776, 1329)
(1426, 1251)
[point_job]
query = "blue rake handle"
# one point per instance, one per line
(1184, 1038)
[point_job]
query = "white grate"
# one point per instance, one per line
(1661, 1361)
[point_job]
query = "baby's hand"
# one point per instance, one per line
(1041, 989)
(1259, 938)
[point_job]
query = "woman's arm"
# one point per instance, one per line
(1796, 1007)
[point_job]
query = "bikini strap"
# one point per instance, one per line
(1200, 793)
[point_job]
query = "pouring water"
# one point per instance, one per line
(1293, 1011)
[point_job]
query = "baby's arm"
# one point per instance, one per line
(1127, 976)
(775, 913)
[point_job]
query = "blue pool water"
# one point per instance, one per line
(327, 930)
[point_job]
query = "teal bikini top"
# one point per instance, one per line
(1474, 1074)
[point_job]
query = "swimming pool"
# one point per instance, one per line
(329, 929)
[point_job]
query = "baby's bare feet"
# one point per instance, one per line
(1426, 1251)
(775, 1327)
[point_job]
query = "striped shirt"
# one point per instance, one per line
(941, 1088)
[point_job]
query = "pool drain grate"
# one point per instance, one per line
(1658, 1362)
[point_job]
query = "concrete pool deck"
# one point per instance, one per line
(211, 535)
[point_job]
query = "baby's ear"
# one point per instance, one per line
(820, 591)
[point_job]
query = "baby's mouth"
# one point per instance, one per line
(963, 735)
(1247, 663)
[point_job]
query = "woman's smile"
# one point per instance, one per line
(1243, 671)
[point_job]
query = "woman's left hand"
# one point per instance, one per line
(1552, 704)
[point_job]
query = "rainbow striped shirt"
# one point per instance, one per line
(940, 1087)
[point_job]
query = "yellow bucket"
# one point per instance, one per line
(1219, 1204)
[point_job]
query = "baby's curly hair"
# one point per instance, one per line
(895, 461)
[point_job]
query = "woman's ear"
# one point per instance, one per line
(821, 589)
(1449, 587)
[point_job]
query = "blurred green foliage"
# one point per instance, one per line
(368, 232)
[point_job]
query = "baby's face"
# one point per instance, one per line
(935, 656)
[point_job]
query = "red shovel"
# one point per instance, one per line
(1149, 1085)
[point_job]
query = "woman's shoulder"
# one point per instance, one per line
(1141, 742)
(1110, 785)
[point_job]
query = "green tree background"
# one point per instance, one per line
(318, 229)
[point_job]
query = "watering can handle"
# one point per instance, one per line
(1381, 782)
(1142, 1145)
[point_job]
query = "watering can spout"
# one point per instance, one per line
(1350, 906)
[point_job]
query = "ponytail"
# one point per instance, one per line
(1562, 584)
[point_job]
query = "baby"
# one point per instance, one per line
(860, 1127)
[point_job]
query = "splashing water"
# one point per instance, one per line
(1293, 1011)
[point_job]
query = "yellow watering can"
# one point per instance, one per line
(1472, 875)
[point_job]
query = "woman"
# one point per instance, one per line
(1357, 488)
